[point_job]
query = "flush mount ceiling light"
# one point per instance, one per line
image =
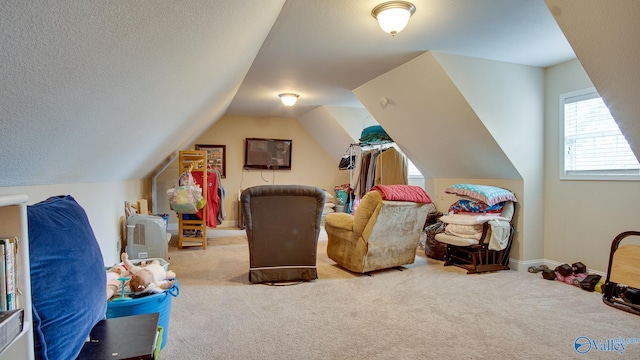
(289, 99)
(393, 16)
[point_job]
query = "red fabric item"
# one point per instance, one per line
(403, 193)
(213, 201)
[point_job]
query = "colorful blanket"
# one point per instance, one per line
(403, 193)
(465, 205)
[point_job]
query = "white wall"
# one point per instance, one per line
(581, 217)
(604, 36)
(103, 203)
(509, 100)
(424, 112)
(311, 165)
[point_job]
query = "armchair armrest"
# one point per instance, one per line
(342, 221)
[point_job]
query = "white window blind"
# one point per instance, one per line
(594, 146)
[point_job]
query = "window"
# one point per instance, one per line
(594, 147)
(413, 171)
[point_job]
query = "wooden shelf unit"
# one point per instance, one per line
(192, 161)
(13, 222)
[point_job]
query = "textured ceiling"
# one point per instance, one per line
(325, 49)
(98, 91)
(105, 90)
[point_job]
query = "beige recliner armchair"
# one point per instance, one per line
(382, 233)
(283, 225)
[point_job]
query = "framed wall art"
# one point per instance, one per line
(216, 157)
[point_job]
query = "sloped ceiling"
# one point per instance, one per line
(336, 127)
(101, 91)
(420, 107)
(96, 91)
(606, 38)
(323, 49)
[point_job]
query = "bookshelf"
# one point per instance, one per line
(191, 161)
(13, 223)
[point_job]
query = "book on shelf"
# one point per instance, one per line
(3, 282)
(11, 324)
(8, 299)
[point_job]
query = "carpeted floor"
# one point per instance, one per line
(426, 311)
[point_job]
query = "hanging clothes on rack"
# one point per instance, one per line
(378, 164)
(391, 168)
(221, 194)
(213, 197)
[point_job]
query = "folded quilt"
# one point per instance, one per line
(465, 231)
(466, 205)
(468, 219)
(403, 193)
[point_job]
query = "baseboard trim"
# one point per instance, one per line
(523, 265)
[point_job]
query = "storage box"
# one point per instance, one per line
(147, 237)
(156, 303)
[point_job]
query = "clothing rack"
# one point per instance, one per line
(193, 231)
(379, 147)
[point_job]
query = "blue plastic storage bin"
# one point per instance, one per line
(156, 303)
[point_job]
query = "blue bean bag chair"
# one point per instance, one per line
(68, 280)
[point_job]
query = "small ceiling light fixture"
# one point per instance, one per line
(289, 99)
(393, 16)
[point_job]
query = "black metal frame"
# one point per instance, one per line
(611, 291)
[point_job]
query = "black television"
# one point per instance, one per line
(269, 154)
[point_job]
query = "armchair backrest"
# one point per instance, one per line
(381, 234)
(367, 212)
(283, 225)
(377, 219)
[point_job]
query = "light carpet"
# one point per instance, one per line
(426, 311)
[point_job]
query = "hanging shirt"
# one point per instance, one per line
(213, 200)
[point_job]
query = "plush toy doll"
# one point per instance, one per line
(152, 278)
(114, 285)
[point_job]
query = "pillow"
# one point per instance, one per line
(68, 278)
(490, 195)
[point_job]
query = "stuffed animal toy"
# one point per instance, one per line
(114, 285)
(117, 271)
(150, 278)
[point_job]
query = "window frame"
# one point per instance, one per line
(585, 175)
